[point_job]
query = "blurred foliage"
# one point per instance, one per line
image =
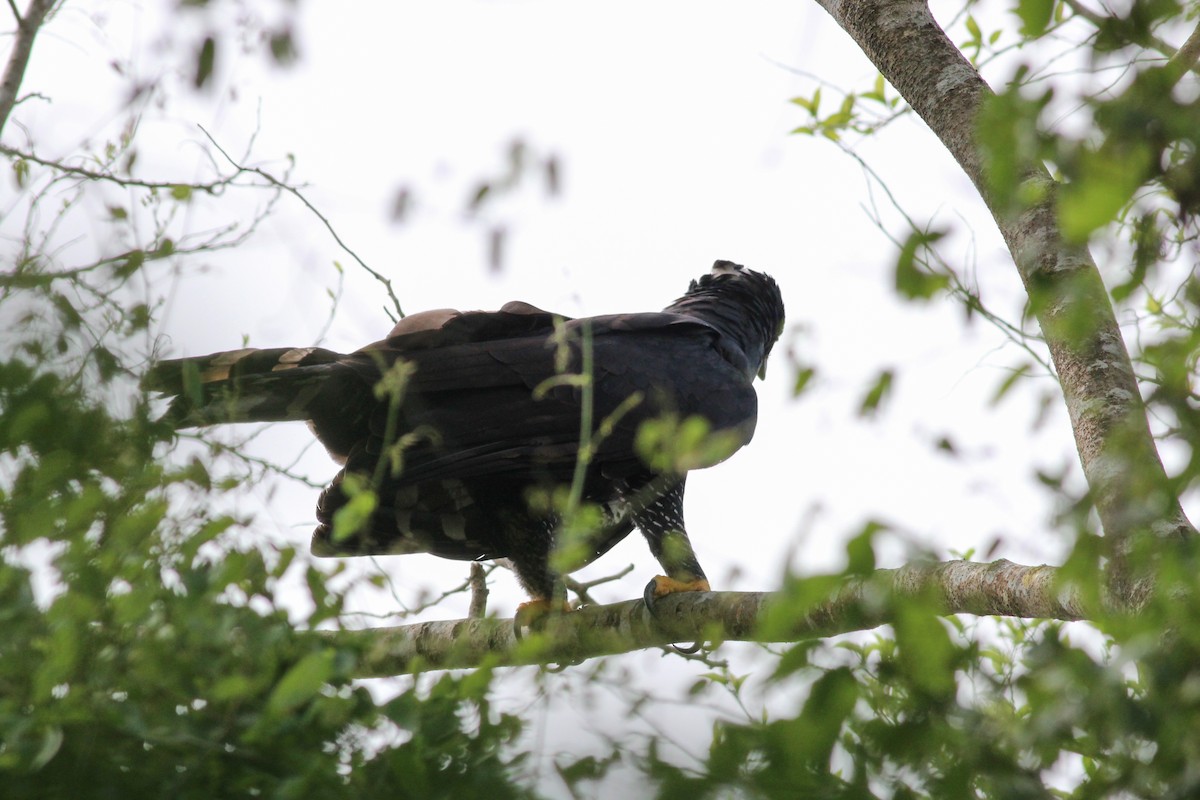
(144, 655)
(146, 652)
(963, 707)
(146, 649)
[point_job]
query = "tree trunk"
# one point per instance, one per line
(1120, 461)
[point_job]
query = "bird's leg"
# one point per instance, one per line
(532, 614)
(661, 521)
(531, 562)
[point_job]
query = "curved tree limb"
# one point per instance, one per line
(1187, 55)
(1183, 58)
(954, 587)
(1128, 484)
(28, 26)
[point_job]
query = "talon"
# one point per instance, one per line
(660, 586)
(533, 615)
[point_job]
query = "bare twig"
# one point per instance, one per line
(479, 591)
(292, 190)
(956, 287)
(211, 187)
(581, 588)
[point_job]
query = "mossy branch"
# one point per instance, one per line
(953, 587)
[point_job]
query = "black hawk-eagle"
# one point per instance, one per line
(464, 451)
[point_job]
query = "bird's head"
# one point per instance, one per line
(741, 303)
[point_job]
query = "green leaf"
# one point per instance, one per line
(804, 103)
(1148, 242)
(139, 317)
(973, 29)
(132, 263)
(810, 738)
(21, 172)
(1010, 138)
(1009, 382)
(860, 551)
(1035, 16)
(181, 192)
(798, 597)
(877, 91)
(878, 392)
(204, 62)
(1105, 180)
(283, 46)
(804, 376)
(668, 444)
(481, 193)
(300, 683)
(71, 318)
(52, 739)
(912, 281)
(232, 687)
(353, 516)
(925, 650)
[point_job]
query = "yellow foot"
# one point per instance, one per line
(661, 586)
(532, 615)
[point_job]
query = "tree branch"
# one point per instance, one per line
(211, 187)
(14, 72)
(1128, 483)
(1187, 55)
(999, 588)
(1179, 57)
(292, 190)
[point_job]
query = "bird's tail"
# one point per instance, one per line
(247, 385)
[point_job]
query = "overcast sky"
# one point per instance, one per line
(669, 122)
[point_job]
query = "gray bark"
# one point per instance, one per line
(1120, 461)
(955, 587)
(28, 26)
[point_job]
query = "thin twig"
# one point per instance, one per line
(292, 190)
(580, 588)
(1150, 40)
(211, 187)
(479, 591)
(973, 302)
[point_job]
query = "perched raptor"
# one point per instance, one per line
(457, 452)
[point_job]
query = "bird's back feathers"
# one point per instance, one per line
(485, 416)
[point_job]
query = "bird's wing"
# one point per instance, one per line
(488, 405)
(486, 415)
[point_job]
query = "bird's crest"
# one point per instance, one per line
(742, 304)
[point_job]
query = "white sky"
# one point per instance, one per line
(670, 123)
